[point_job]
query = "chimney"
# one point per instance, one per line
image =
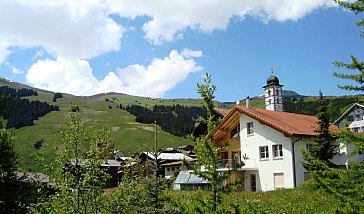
(247, 101)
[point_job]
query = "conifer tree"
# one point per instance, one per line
(356, 64)
(16, 193)
(324, 149)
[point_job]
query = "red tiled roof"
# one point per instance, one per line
(289, 124)
(223, 112)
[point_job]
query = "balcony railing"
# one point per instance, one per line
(233, 163)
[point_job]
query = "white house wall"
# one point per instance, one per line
(266, 136)
(299, 145)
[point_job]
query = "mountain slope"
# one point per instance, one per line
(127, 135)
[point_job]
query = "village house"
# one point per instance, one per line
(269, 142)
(353, 118)
(170, 160)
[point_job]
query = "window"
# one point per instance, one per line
(308, 147)
(235, 131)
(277, 151)
(249, 128)
(355, 129)
(278, 180)
(264, 153)
(350, 118)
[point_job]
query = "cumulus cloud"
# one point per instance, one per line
(76, 77)
(168, 19)
(72, 29)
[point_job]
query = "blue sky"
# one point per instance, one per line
(163, 48)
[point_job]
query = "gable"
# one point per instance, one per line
(347, 112)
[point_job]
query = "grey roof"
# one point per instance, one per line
(169, 156)
(109, 162)
(184, 178)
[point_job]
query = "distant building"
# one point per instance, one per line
(353, 118)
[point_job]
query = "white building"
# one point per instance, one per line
(269, 142)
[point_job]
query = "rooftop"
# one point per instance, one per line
(289, 124)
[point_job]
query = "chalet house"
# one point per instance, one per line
(170, 162)
(353, 118)
(111, 167)
(269, 141)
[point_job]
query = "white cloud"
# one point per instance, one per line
(168, 19)
(188, 53)
(4, 52)
(76, 77)
(68, 28)
(16, 71)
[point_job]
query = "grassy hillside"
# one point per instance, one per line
(127, 135)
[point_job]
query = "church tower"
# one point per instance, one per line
(273, 94)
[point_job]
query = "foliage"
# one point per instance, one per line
(56, 96)
(77, 170)
(345, 185)
(75, 108)
(357, 7)
(38, 144)
(334, 105)
(279, 201)
(206, 150)
(16, 193)
(130, 196)
(175, 119)
(324, 149)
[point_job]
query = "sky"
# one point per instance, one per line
(159, 48)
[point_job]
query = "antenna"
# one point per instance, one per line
(271, 68)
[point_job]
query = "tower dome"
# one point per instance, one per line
(272, 80)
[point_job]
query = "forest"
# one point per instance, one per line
(176, 119)
(334, 105)
(21, 112)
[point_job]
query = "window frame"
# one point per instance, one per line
(264, 151)
(250, 128)
(277, 151)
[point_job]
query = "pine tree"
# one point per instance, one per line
(357, 7)
(16, 193)
(324, 149)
